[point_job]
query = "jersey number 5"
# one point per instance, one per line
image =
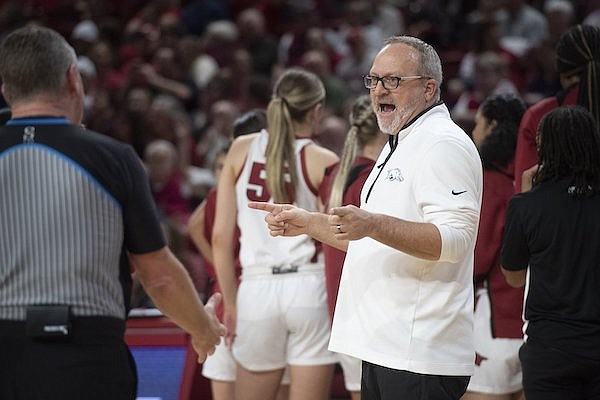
(257, 184)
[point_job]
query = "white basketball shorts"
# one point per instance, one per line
(498, 369)
(220, 366)
(282, 319)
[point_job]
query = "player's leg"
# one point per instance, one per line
(255, 385)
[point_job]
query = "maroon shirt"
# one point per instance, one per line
(506, 302)
(526, 152)
(334, 258)
(170, 199)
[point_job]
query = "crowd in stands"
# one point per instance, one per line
(171, 76)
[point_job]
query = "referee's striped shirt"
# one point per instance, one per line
(71, 203)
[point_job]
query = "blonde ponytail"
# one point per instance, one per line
(295, 94)
(280, 152)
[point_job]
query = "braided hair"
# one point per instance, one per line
(578, 52)
(498, 148)
(569, 148)
(363, 129)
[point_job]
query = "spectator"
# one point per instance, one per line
(166, 181)
(171, 193)
(388, 18)
(84, 34)
(196, 15)
(131, 124)
(356, 63)
(523, 26)
(220, 41)
(109, 76)
(217, 134)
(331, 133)
(485, 37)
(297, 40)
(165, 75)
(318, 63)
(560, 15)
(541, 77)
(259, 43)
(358, 15)
(485, 10)
(490, 79)
(317, 39)
(239, 73)
(203, 69)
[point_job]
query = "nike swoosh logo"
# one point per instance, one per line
(457, 193)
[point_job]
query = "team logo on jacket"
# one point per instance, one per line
(394, 175)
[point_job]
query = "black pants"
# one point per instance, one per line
(551, 374)
(381, 383)
(93, 364)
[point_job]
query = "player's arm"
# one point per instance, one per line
(515, 278)
(224, 230)
(196, 226)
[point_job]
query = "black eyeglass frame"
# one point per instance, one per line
(388, 82)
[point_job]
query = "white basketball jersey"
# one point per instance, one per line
(257, 247)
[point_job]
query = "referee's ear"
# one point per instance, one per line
(74, 81)
(5, 93)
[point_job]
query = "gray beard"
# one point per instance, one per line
(400, 119)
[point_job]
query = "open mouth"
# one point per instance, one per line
(386, 108)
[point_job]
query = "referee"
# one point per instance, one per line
(76, 217)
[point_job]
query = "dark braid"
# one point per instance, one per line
(498, 148)
(569, 148)
(578, 52)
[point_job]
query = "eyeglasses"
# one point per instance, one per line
(389, 82)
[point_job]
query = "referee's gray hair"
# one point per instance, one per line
(429, 64)
(34, 60)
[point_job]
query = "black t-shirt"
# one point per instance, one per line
(558, 237)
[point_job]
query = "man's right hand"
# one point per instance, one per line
(206, 341)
